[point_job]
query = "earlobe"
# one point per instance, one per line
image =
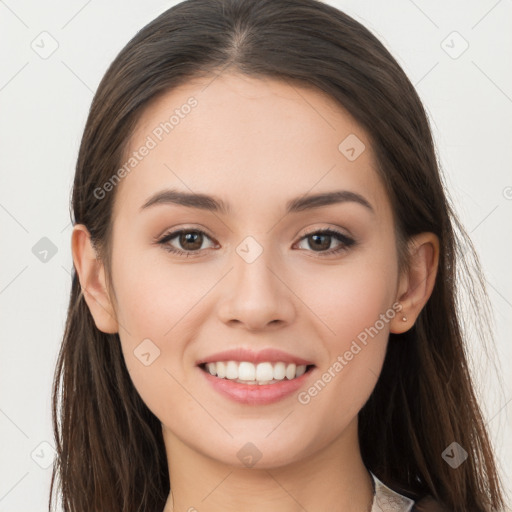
(417, 283)
(91, 274)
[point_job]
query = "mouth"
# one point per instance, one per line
(263, 373)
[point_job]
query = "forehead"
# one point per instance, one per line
(255, 141)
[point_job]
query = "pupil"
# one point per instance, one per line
(190, 238)
(319, 244)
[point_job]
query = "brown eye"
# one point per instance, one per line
(188, 241)
(320, 241)
(191, 240)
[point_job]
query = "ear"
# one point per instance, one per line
(91, 274)
(416, 284)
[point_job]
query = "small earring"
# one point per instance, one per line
(404, 319)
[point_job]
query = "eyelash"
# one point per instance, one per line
(346, 242)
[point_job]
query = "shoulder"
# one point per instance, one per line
(429, 504)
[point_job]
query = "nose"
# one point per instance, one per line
(256, 294)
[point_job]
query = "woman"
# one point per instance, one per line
(263, 314)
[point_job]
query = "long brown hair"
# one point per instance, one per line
(110, 450)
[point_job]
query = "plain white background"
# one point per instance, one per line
(44, 104)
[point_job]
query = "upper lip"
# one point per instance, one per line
(271, 355)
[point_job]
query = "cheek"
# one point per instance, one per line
(351, 297)
(155, 296)
(151, 339)
(356, 313)
(157, 310)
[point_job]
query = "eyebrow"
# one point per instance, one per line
(215, 204)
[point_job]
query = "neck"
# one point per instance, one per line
(334, 478)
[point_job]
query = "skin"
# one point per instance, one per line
(255, 143)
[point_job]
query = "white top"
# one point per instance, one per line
(387, 500)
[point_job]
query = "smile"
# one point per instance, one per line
(255, 384)
(245, 372)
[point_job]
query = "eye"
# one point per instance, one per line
(189, 239)
(322, 239)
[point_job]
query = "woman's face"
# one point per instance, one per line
(257, 275)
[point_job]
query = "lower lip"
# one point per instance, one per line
(256, 394)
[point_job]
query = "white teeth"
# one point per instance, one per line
(300, 370)
(290, 371)
(279, 371)
(220, 369)
(231, 370)
(264, 371)
(249, 373)
(246, 371)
